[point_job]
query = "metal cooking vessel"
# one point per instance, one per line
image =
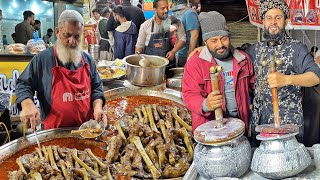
(229, 160)
(170, 94)
(279, 158)
(146, 76)
(17, 145)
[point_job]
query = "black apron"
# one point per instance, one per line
(311, 115)
(160, 45)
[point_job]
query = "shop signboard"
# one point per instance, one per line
(9, 74)
(304, 14)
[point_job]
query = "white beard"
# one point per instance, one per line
(68, 55)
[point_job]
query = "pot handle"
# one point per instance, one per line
(275, 100)
(214, 73)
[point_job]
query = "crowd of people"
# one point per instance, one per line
(245, 83)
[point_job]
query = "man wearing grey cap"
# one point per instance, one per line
(236, 80)
(68, 86)
(296, 68)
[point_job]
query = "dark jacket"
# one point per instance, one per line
(24, 32)
(132, 13)
(125, 39)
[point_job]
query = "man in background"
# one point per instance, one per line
(104, 34)
(190, 21)
(24, 30)
(132, 13)
(47, 38)
(96, 17)
(37, 27)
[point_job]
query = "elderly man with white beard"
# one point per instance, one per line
(68, 86)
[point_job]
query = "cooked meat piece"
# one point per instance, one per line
(161, 151)
(155, 113)
(113, 148)
(185, 115)
(16, 175)
(55, 153)
(137, 161)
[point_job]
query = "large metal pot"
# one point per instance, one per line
(14, 146)
(228, 160)
(145, 76)
(279, 158)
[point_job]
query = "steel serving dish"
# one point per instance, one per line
(146, 76)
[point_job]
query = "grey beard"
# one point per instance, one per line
(223, 56)
(274, 37)
(68, 55)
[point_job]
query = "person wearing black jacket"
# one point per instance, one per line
(132, 13)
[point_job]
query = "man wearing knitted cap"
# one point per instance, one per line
(66, 80)
(297, 68)
(235, 82)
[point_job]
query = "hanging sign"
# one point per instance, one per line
(304, 14)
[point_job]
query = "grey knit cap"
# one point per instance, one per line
(181, 2)
(70, 15)
(213, 24)
(266, 5)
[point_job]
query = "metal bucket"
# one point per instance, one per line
(94, 51)
(146, 76)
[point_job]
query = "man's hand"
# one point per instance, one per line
(277, 80)
(170, 55)
(198, 49)
(214, 100)
(30, 114)
(98, 113)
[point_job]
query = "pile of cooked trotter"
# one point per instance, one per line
(153, 141)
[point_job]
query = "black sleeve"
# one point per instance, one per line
(27, 82)
(111, 24)
(303, 61)
(251, 52)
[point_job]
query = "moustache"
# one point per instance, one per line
(223, 47)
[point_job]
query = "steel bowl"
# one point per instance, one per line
(146, 76)
(229, 160)
(280, 158)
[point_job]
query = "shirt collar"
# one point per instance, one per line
(206, 55)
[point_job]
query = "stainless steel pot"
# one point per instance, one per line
(145, 76)
(94, 51)
(229, 160)
(176, 81)
(279, 158)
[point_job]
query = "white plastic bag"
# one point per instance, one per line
(36, 45)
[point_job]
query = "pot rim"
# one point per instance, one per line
(135, 55)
